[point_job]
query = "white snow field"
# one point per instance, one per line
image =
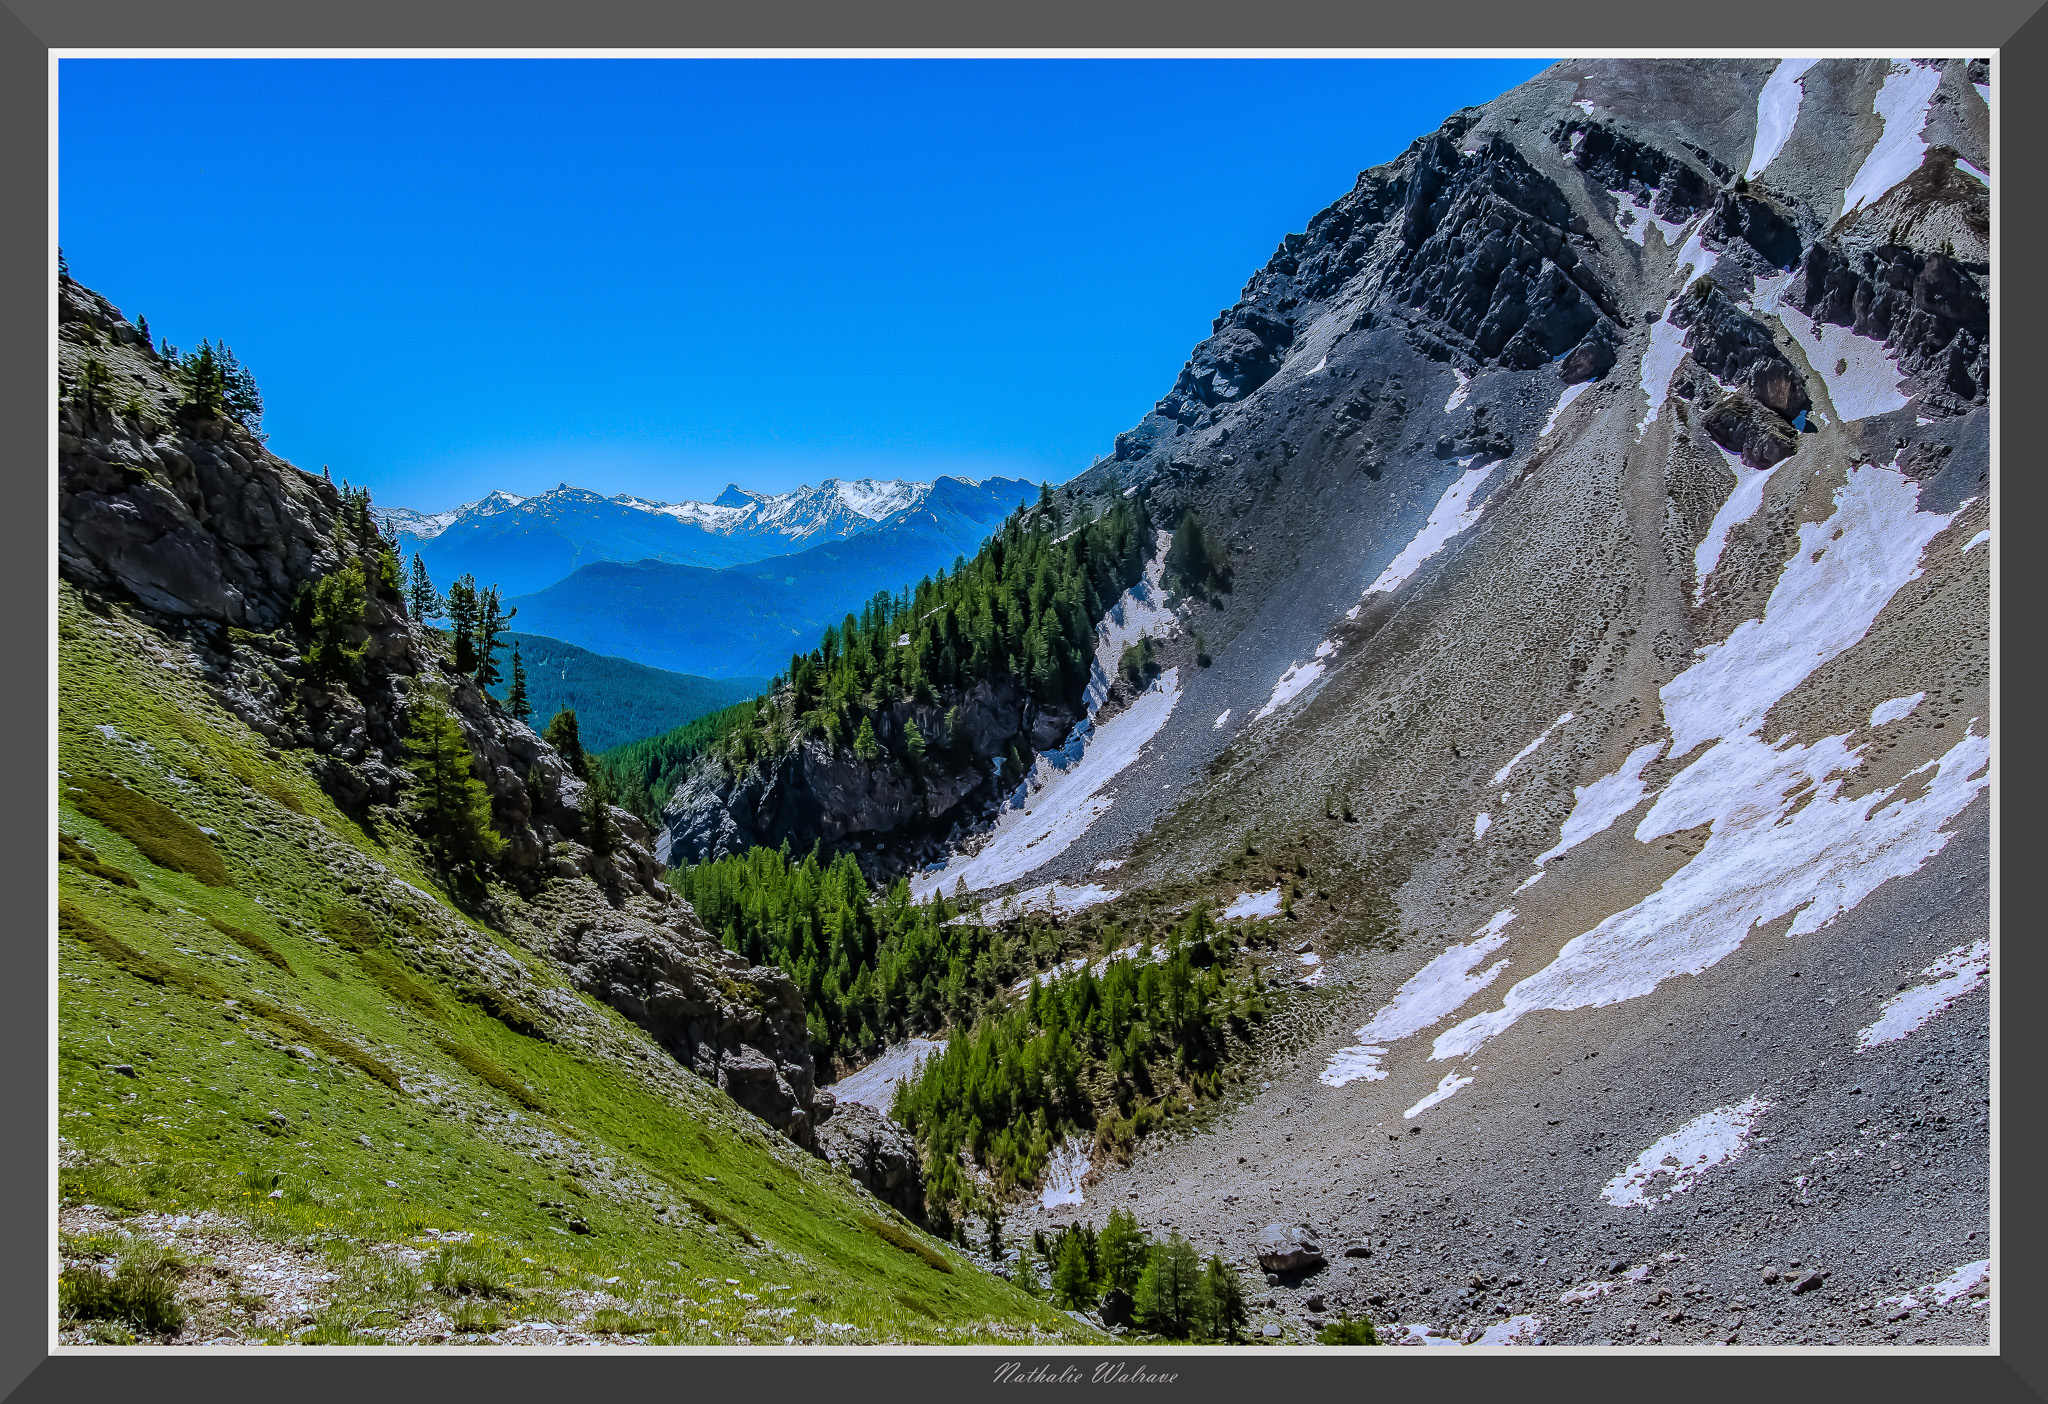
(1500, 777)
(1291, 685)
(1064, 1171)
(1777, 109)
(1458, 395)
(1963, 1282)
(1944, 982)
(1428, 997)
(1456, 510)
(1783, 839)
(1862, 378)
(1571, 392)
(1902, 101)
(1445, 1090)
(1054, 899)
(1660, 363)
(875, 1085)
(1739, 508)
(1252, 904)
(1885, 713)
(1602, 802)
(1057, 803)
(1978, 540)
(1675, 1162)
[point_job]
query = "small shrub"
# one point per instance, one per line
(464, 1270)
(142, 1291)
(81, 855)
(479, 1316)
(1349, 1330)
(488, 1072)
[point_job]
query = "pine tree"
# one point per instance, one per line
(422, 598)
(992, 1223)
(93, 379)
(599, 830)
(1027, 1275)
(206, 385)
(462, 611)
(1122, 1251)
(913, 739)
(239, 396)
(1220, 1312)
(865, 747)
(339, 599)
(489, 624)
(515, 699)
(1071, 1288)
(561, 734)
(453, 806)
(1166, 1292)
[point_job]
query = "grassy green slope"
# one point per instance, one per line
(259, 1042)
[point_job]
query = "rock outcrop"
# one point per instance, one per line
(875, 1151)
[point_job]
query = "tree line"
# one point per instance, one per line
(1095, 1057)
(1024, 609)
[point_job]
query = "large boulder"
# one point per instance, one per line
(876, 1152)
(1740, 424)
(1283, 1249)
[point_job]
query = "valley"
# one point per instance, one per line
(1474, 815)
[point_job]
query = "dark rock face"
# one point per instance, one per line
(1615, 160)
(1738, 349)
(740, 1026)
(1933, 312)
(1738, 423)
(820, 794)
(1283, 1249)
(1758, 222)
(876, 1152)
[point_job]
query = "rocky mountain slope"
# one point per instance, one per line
(1602, 691)
(528, 543)
(361, 1092)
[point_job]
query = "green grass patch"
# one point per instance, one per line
(70, 850)
(897, 1237)
(251, 942)
(164, 836)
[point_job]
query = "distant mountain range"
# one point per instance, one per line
(524, 544)
(615, 699)
(746, 620)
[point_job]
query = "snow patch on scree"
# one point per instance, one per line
(1292, 683)
(1252, 904)
(1458, 395)
(1445, 1090)
(1676, 1161)
(1902, 101)
(1430, 995)
(1784, 839)
(1777, 109)
(1456, 510)
(1604, 801)
(1943, 983)
(1064, 1170)
(1885, 713)
(1039, 825)
(1660, 363)
(1055, 899)
(875, 1085)
(1739, 508)
(1571, 392)
(1500, 777)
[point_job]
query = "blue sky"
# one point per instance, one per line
(658, 276)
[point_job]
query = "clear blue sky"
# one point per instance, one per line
(658, 276)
